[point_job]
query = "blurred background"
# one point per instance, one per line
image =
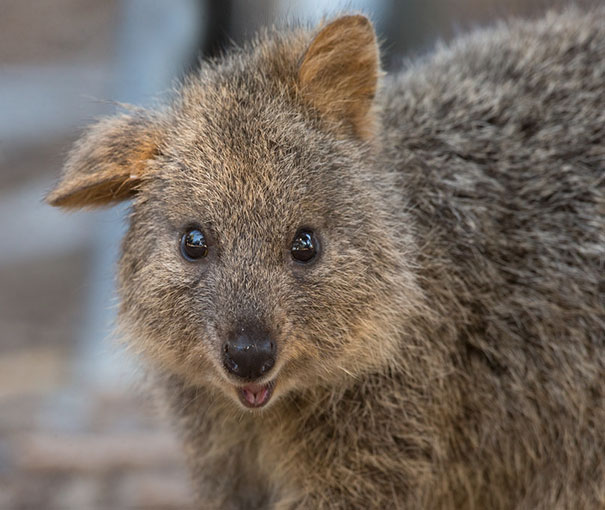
(75, 432)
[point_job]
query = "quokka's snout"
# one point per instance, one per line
(249, 353)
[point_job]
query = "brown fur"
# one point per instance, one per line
(107, 166)
(446, 350)
(339, 73)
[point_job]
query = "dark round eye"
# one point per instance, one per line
(193, 245)
(304, 246)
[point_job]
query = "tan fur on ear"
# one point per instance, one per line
(339, 73)
(107, 163)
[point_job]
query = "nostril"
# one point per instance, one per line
(268, 365)
(271, 347)
(231, 365)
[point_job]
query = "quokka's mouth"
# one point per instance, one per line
(255, 395)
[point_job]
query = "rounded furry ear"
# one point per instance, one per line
(108, 162)
(339, 73)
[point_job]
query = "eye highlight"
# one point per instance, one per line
(304, 246)
(193, 245)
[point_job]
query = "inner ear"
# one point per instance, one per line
(101, 192)
(339, 73)
(108, 163)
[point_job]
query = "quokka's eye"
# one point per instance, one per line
(193, 245)
(304, 246)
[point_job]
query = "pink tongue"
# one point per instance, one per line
(255, 396)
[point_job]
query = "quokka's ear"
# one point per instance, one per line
(339, 73)
(107, 163)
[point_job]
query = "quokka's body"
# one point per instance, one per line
(414, 261)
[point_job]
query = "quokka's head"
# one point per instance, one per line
(260, 257)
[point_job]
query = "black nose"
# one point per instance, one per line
(249, 354)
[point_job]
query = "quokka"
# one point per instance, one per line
(364, 291)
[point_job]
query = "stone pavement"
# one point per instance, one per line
(88, 451)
